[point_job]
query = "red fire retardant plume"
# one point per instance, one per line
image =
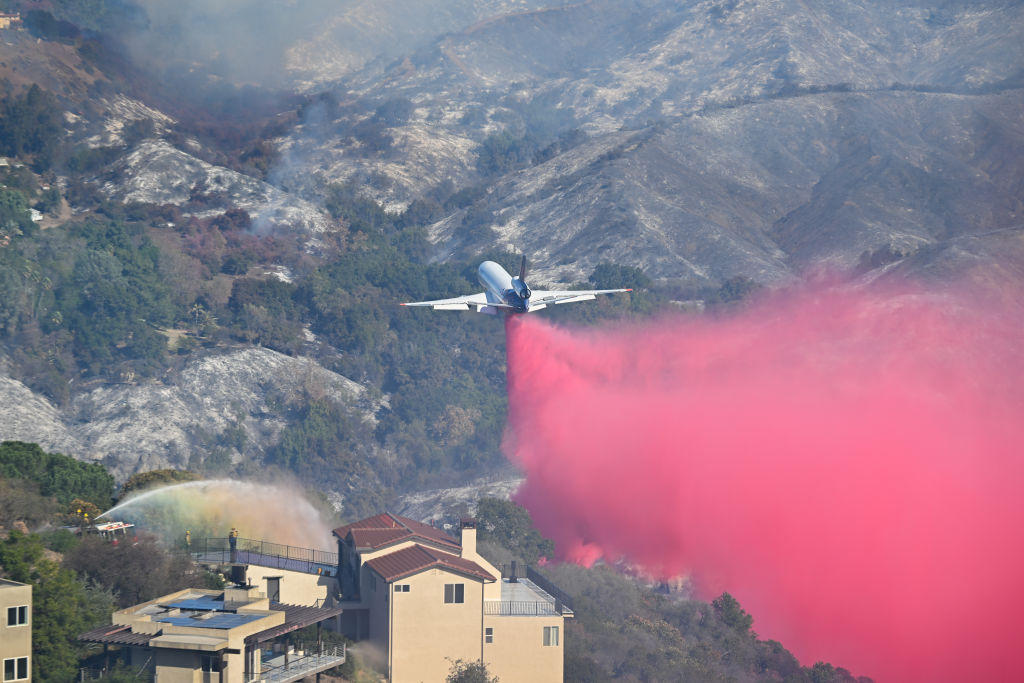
(847, 465)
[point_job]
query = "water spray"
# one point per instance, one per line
(211, 508)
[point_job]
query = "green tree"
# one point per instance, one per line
(49, 201)
(140, 481)
(503, 152)
(510, 525)
(469, 672)
(57, 475)
(20, 501)
(113, 297)
(32, 124)
(62, 607)
(733, 290)
(614, 276)
(732, 614)
(135, 572)
(14, 214)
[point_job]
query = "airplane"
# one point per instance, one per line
(510, 294)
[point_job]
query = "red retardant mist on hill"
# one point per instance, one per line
(847, 464)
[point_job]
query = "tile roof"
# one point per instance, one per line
(377, 538)
(387, 528)
(416, 558)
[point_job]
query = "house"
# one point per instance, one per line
(425, 600)
(16, 630)
(8, 20)
(236, 635)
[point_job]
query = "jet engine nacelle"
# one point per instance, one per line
(522, 290)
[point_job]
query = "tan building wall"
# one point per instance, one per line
(415, 636)
(183, 646)
(376, 598)
(297, 588)
(427, 634)
(359, 560)
(177, 666)
(517, 653)
(15, 637)
(492, 591)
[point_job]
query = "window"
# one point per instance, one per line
(551, 636)
(488, 635)
(373, 582)
(210, 663)
(16, 669)
(401, 588)
(17, 616)
(454, 592)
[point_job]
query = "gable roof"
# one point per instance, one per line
(416, 558)
(387, 528)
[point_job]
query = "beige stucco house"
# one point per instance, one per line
(15, 630)
(232, 636)
(423, 600)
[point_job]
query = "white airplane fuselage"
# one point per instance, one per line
(502, 288)
(510, 294)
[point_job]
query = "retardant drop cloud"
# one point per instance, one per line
(848, 464)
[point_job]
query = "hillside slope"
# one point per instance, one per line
(719, 138)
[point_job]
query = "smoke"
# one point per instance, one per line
(210, 508)
(294, 44)
(848, 464)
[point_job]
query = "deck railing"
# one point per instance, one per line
(520, 608)
(550, 588)
(265, 554)
(517, 571)
(101, 674)
(299, 667)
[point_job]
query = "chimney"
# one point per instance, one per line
(469, 538)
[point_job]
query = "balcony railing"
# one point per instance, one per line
(514, 572)
(298, 666)
(519, 608)
(101, 674)
(547, 586)
(265, 554)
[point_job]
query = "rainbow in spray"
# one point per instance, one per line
(211, 508)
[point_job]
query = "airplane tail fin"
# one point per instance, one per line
(522, 270)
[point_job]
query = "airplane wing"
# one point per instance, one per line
(550, 297)
(460, 303)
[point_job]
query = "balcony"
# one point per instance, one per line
(521, 597)
(520, 608)
(297, 664)
(264, 554)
